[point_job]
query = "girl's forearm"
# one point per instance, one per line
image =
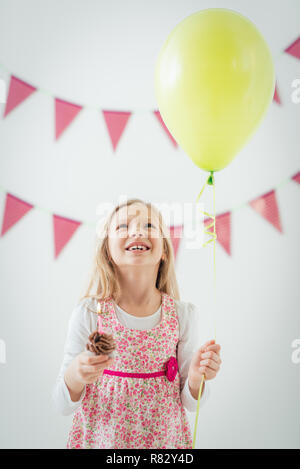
(75, 388)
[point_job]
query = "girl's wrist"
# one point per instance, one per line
(75, 390)
(195, 388)
(194, 380)
(75, 387)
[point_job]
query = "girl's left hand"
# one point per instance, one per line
(205, 361)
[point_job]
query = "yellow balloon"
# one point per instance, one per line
(214, 81)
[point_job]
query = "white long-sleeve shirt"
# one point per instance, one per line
(83, 322)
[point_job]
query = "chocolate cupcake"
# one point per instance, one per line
(101, 344)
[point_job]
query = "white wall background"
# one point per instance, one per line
(103, 54)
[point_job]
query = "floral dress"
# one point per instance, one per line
(136, 402)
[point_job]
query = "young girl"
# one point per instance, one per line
(138, 398)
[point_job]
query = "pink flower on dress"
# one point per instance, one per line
(171, 368)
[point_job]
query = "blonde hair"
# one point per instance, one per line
(103, 281)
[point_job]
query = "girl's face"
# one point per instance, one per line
(138, 225)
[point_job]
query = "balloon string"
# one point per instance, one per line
(213, 235)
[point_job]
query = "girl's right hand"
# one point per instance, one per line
(88, 368)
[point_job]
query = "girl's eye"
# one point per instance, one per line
(124, 224)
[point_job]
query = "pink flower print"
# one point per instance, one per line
(171, 368)
(131, 413)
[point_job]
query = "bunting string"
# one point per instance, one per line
(66, 111)
(115, 120)
(218, 227)
(293, 49)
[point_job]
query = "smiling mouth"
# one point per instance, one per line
(137, 250)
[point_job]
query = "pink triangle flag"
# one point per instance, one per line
(297, 177)
(158, 115)
(64, 228)
(223, 230)
(17, 93)
(175, 234)
(294, 48)
(14, 210)
(266, 205)
(116, 122)
(65, 113)
(276, 97)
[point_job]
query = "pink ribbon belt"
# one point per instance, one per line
(170, 371)
(134, 375)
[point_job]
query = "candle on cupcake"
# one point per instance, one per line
(99, 318)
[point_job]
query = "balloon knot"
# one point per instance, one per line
(210, 179)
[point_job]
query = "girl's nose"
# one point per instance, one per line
(136, 230)
(137, 233)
